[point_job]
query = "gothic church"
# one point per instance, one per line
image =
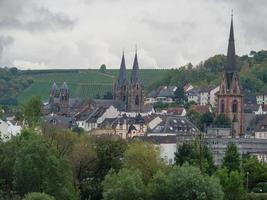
(230, 96)
(130, 92)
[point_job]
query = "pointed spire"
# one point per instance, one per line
(231, 58)
(123, 74)
(135, 73)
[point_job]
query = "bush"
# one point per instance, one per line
(38, 196)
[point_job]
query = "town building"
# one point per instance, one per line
(230, 96)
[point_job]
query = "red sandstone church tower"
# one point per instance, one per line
(230, 97)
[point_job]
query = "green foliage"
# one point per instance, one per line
(180, 95)
(185, 182)
(257, 171)
(103, 68)
(82, 83)
(28, 163)
(232, 183)
(109, 155)
(231, 159)
(12, 84)
(195, 154)
(222, 121)
(38, 196)
(126, 184)
(144, 157)
(31, 112)
(257, 196)
(260, 188)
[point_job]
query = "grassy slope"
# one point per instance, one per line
(82, 83)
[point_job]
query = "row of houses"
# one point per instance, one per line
(201, 96)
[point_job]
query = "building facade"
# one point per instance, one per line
(230, 97)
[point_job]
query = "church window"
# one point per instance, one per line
(222, 106)
(136, 100)
(234, 106)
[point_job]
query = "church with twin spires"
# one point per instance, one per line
(130, 92)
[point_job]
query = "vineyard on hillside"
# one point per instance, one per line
(82, 83)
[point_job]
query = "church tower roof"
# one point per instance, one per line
(135, 78)
(54, 87)
(231, 57)
(123, 74)
(64, 87)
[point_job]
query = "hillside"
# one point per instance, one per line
(82, 83)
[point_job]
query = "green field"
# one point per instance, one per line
(82, 83)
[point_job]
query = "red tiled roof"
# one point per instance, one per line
(175, 111)
(201, 108)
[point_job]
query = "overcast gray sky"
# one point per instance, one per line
(86, 33)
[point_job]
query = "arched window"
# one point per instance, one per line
(234, 106)
(222, 106)
(136, 100)
(124, 98)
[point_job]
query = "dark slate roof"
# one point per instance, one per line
(152, 94)
(59, 121)
(92, 118)
(167, 92)
(64, 86)
(123, 75)
(135, 78)
(54, 87)
(178, 125)
(120, 105)
(193, 92)
(231, 57)
(262, 125)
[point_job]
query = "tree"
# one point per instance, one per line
(32, 111)
(195, 154)
(232, 183)
(38, 196)
(109, 155)
(231, 159)
(222, 121)
(103, 68)
(144, 157)
(126, 184)
(184, 182)
(180, 95)
(38, 168)
(206, 120)
(108, 95)
(257, 171)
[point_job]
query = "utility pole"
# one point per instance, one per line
(247, 180)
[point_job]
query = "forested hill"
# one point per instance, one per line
(17, 86)
(12, 84)
(253, 73)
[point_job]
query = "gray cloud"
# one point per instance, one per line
(4, 41)
(28, 16)
(168, 33)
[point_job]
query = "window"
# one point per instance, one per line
(234, 106)
(136, 100)
(222, 106)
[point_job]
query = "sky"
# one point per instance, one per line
(71, 34)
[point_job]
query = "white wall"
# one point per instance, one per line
(213, 96)
(167, 152)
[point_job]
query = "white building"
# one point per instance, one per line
(91, 120)
(261, 99)
(208, 96)
(7, 130)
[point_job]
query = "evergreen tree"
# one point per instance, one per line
(231, 159)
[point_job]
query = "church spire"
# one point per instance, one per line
(135, 78)
(123, 73)
(231, 58)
